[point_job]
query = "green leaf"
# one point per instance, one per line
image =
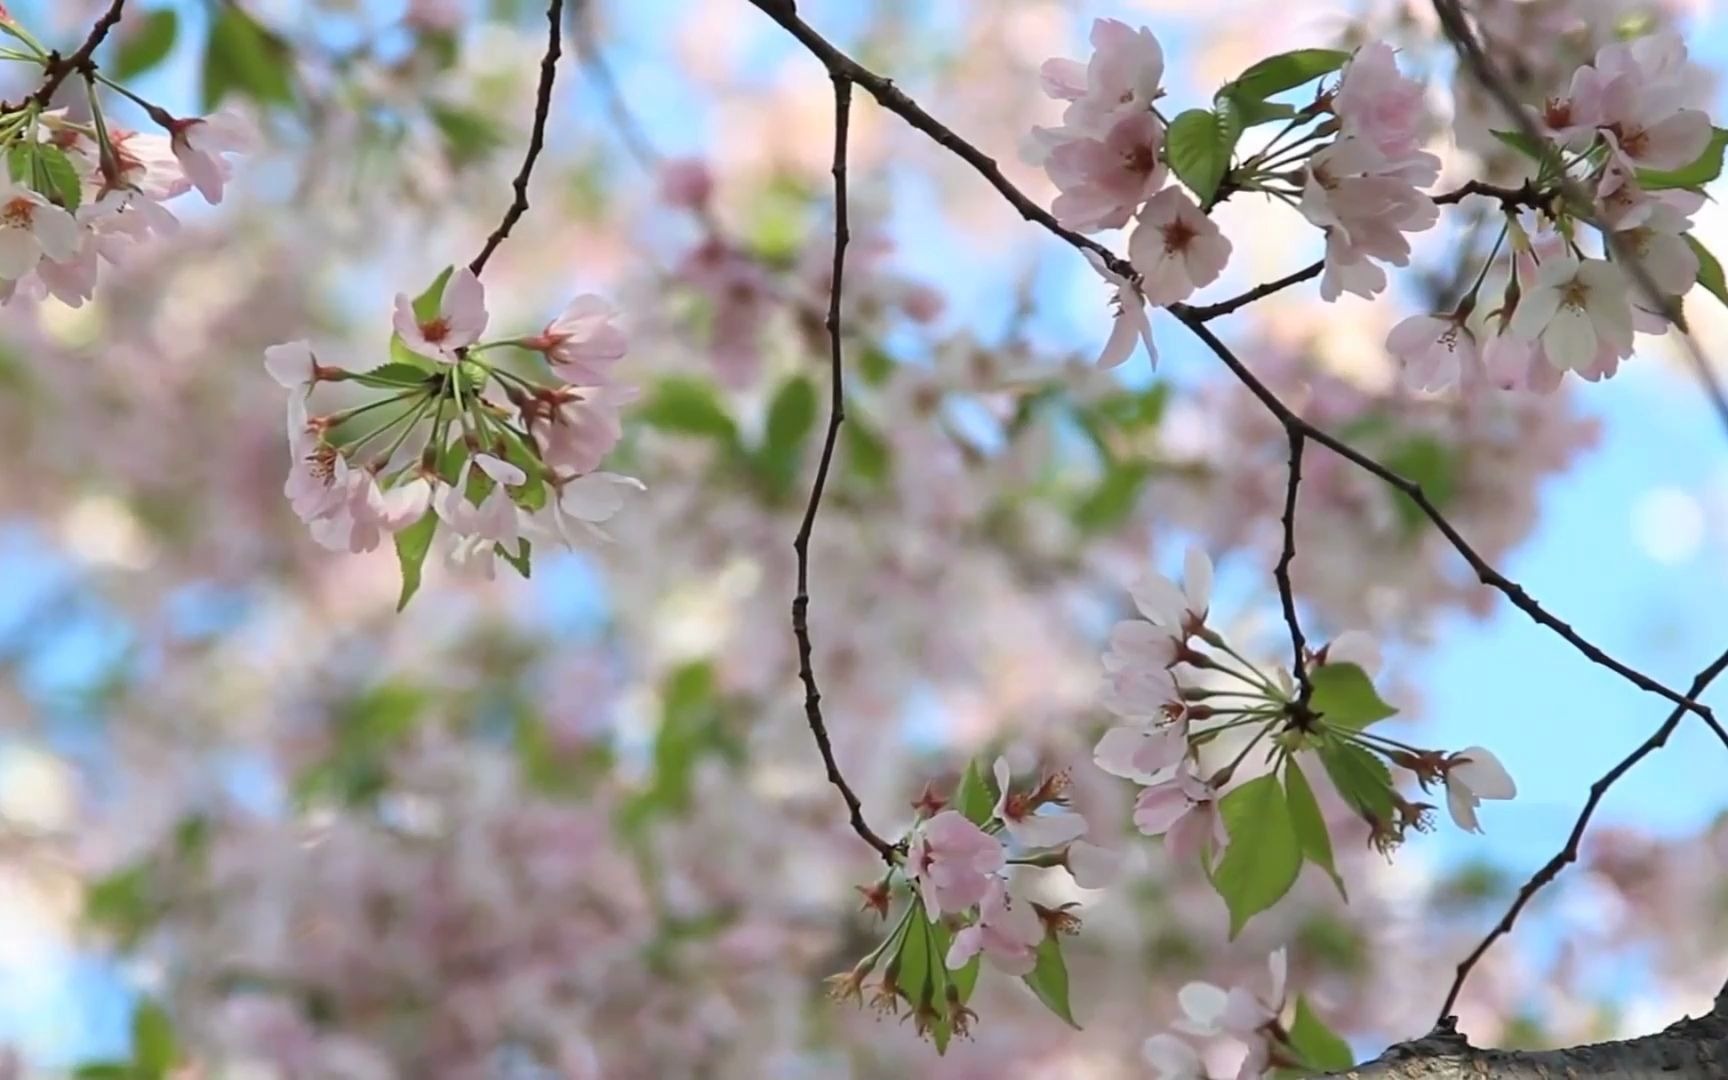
(1264, 855)
(1541, 151)
(243, 57)
(469, 135)
(791, 416)
(522, 560)
(1113, 500)
(1429, 463)
(1709, 270)
(1198, 146)
(1132, 410)
(412, 545)
(393, 374)
(1360, 777)
(1049, 979)
(1345, 697)
(57, 178)
(867, 452)
(875, 365)
(687, 406)
(122, 903)
(1286, 71)
(1254, 113)
(1321, 1048)
(1312, 835)
(1707, 168)
(146, 46)
(973, 797)
(105, 1070)
(965, 977)
(154, 1050)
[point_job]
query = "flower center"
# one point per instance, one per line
(435, 330)
(20, 213)
(1178, 235)
(1575, 295)
(1139, 160)
(1557, 113)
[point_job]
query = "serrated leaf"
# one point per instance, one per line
(1049, 979)
(1360, 777)
(57, 178)
(154, 1049)
(1321, 1048)
(1709, 270)
(1312, 835)
(412, 546)
(687, 406)
(1345, 697)
(1700, 172)
(1263, 858)
(973, 797)
(1286, 71)
(242, 56)
(148, 45)
(393, 374)
(1198, 147)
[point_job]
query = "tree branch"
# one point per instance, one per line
(1286, 594)
(536, 136)
(58, 68)
(801, 544)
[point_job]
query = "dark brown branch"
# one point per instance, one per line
(536, 136)
(801, 545)
(1286, 594)
(59, 68)
(1208, 312)
(1578, 201)
(1685, 1050)
(1569, 853)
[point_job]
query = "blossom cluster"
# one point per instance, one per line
(1629, 137)
(79, 191)
(460, 438)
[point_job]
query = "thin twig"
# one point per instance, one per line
(593, 60)
(1480, 65)
(536, 136)
(1286, 594)
(1209, 312)
(1568, 854)
(801, 544)
(58, 68)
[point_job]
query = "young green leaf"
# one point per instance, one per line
(1345, 697)
(973, 797)
(1360, 777)
(1321, 1048)
(1429, 463)
(1312, 835)
(56, 178)
(522, 561)
(687, 406)
(412, 545)
(867, 452)
(1264, 856)
(1700, 172)
(1709, 270)
(1113, 500)
(1198, 147)
(1538, 150)
(148, 45)
(242, 56)
(1049, 979)
(154, 1050)
(791, 416)
(1286, 71)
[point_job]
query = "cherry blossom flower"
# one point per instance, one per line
(1640, 95)
(1435, 351)
(1172, 1058)
(582, 505)
(1176, 248)
(1184, 810)
(1021, 819)
(1208, 1010)
(1008, 933)
(1121, 79)
(1366, 203)
(1091, 866)
(200, 143)
(293, 365)
(952, 861)
(495, 517)
(1100, 181)
(1579, 311)
(460, 321)
(1177, 608)
(1474, 774)
(1131, 325)
(1376, 103)
(583, 343)
(1140, 753)
(32, 228)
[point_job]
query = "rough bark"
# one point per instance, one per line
(1688, 1048)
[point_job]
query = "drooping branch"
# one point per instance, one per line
(801, 544)
(536, 136)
